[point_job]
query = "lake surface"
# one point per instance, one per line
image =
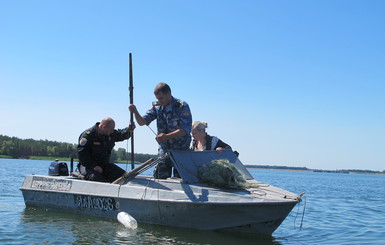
(339, 209)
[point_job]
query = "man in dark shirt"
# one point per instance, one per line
(95, 147)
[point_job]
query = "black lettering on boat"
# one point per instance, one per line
(95, 202)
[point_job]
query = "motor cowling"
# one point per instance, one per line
(58, 169)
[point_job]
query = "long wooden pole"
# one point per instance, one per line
(131, 88)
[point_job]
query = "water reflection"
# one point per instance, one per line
(54, 227)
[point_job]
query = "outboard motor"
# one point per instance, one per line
(58, 169)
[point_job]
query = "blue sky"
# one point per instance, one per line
(294, 83)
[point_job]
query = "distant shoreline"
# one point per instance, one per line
(318, 171)
(281, 169)
(262, 167)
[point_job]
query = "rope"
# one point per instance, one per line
(260, 187)
(145, 190)
(152, 130)
(156, 171)
(120, 184)
(158, 201)
(303, 211)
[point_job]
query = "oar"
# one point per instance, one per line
(138, 170)
(131, 88)
(133, 172)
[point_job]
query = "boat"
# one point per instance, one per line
(180, 202)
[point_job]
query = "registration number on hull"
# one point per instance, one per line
(50, 184)
(95, 202)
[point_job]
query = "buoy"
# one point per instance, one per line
(127, 220)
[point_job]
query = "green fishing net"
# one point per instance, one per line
(224, 174)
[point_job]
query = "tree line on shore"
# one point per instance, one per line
(27, 148)
(341, 171)
(14, 147)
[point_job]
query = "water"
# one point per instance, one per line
(339, 209)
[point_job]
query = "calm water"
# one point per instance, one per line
(339, 209)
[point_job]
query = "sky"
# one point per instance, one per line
(285, 83)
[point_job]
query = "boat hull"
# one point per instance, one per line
(164, 202)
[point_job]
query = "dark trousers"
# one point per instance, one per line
(110, 173)
(165, 168)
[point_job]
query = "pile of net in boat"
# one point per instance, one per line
(224, 174)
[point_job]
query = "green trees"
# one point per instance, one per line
(25, 148)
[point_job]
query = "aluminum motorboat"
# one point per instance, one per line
(180, 202)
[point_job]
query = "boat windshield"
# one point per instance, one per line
(188, 163)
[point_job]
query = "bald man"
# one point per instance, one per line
(95, 147)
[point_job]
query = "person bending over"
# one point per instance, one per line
(95, 147)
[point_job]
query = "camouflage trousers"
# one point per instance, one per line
(165, 168)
